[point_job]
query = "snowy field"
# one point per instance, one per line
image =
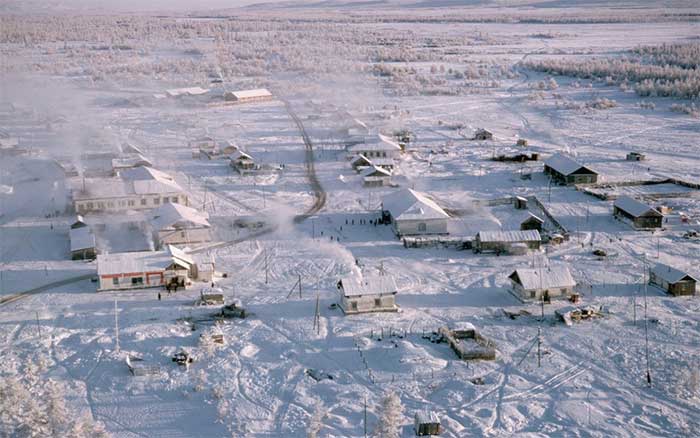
(591, 381)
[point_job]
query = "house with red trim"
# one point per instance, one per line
(145, 269)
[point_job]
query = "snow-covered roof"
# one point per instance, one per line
(359, 158)
(133, 262)
(251, 94)
(427, 417)
(179, 254)
(509, 236)
(564, 164)
(634, 207)
(407, 204)
(670, 274)
(189, 91)
(544, 278)
(177, 216)
(373, 285)
(131, 160)
(239, 155)
(378, 143)
(383, 161)
(81, 238)
(528, 215)
(375, 171)
(9, 143)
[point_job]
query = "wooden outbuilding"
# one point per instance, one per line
(567, 171)
(531, 222)
(483, 134)
(505, 241)
(426, 423)
(637, 214)
(672, 280)
(248, 96)
(534, 284)
(367, 294)
(636, 156)
(359, 162)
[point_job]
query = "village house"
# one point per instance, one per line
(530, 221)
(534, 284)
(426, 423)
(367, 294)
(242, 162)
(129, 161)
(379, 146)
(672, 280)
(136, 270)
(248, 96)
(565, 170)
(413, 213)
(186, 92)
(374, 176)
(140, 188)
(359, 162)
(175, 223)
(637, 214)
(506, 241)
(203, 145)
(483, 134)
(82, 240)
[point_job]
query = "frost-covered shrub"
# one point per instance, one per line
(691, 110)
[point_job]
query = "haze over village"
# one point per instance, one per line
(349, 219)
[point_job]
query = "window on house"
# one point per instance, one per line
(174, 199)
(90, 205)
(156, 201)
(353, 305)
(101, 205)
(115, 281)
(137, 280)
(144, 201)
(110, 204)
(422, 226)
(377, 302)
(166, 200)
(533, 294)
(182, 234)
(131, 203)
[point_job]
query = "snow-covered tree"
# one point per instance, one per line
(316, 421)
(389, 424)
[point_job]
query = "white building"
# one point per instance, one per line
(175, 223)
(247, 96)
(82, 241)
(129, 161)
(137, 270)
(412, 213)
(379, 146)
(367, 294)
(534, 284)
(139, 188)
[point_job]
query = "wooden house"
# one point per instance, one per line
(413, 213)
(483, 134)
(379, 146)
(672, 280)
(505, 241)
(367, 294)
(374, 176)
(565, 170)
(359, 162)
(426, 423)
(174, 224)
(531, 222)
(637, 214)
(534, 284)
(242, 162)
(636, 156)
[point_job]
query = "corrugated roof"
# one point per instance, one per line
(81, 238)
(509, 236)
(407, 204)
(634, 207)
(544, 278)
(177, 216)
(250, 94)
(133, 262)
(373, 285)
(563, 164)
(669, 274)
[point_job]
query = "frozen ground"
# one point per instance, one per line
(591, 381)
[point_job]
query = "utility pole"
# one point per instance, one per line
(539, 347)
(116, 326)
(38, 327)
(299, 285)
(365, 422)
(317, 316)
(646, 323)
(266, 272)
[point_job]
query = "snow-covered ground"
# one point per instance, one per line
(592, 378)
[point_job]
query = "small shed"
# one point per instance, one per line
(367, 294)
(520, 203)
(503, 241)
(242, 162)
(533, 284)
(247, 96)
(426, 423)
(636, 156)
(483, 134)
(359, 161)
(531, 222)
(566, 170)
(637, 214)
(672, 280)
(375, 176)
